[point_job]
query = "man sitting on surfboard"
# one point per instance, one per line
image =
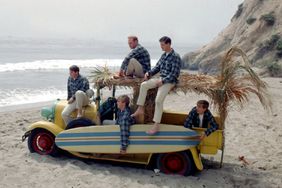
(200, 116)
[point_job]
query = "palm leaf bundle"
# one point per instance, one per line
(236, 84)
(101, 75)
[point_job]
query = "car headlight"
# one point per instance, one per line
(48, 113)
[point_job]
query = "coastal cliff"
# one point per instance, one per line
(256, 28)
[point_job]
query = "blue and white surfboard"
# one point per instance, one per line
(106, 139)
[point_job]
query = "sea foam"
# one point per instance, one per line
(61, 64)
(58, 64)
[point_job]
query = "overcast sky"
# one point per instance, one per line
(192, 21)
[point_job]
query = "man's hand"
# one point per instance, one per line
(159, 83)
(203, 135)
(70, 100)
(122, 151)
(146, 76)
(121, 73)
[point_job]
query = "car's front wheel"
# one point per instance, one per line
(176, 163)
(42, 142)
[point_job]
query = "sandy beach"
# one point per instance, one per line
(251, 132)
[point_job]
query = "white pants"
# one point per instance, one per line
(81, 100)
(134, 68)
(109, 122)
(162, 93)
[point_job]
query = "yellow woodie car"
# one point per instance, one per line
(174, 150)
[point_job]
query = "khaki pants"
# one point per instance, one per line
(162, 93)
(81, 100)
(134, 68)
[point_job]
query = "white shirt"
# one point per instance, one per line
(201, 116)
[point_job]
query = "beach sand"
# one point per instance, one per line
(250, 132)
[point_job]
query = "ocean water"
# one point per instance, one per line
(33, 71)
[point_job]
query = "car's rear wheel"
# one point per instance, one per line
(176, 163)
(42, 142)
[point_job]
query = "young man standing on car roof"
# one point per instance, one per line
(78, 94)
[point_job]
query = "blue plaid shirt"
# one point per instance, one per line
(168, 66)
(80, 83)
(124, 120)
(141, 55)
(194, 120)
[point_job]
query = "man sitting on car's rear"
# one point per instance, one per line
(78, 94)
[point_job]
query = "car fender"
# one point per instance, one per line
(197, 158)
(49, 126)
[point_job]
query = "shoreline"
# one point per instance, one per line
(27, 106)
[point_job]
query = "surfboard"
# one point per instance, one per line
(106, 139)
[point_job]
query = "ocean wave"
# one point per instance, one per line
(60, 64)
(26, 96)
(21, 96)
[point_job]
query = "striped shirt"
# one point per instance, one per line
(169, 67)
(80, 83)
(193, 120)
(124, 120)
(141, 55)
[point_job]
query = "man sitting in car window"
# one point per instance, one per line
(200, 116)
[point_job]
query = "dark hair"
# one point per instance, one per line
(134, 38)
(165, 39)
(74, 68)
(205, 104)
(124, 98)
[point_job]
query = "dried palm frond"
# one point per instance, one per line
(101, 75)
(196, 83)
(237, 82)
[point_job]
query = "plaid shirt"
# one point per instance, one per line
(168, 66)
(124, 120)
(80, 83)
(193, 120)
(141, 55)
